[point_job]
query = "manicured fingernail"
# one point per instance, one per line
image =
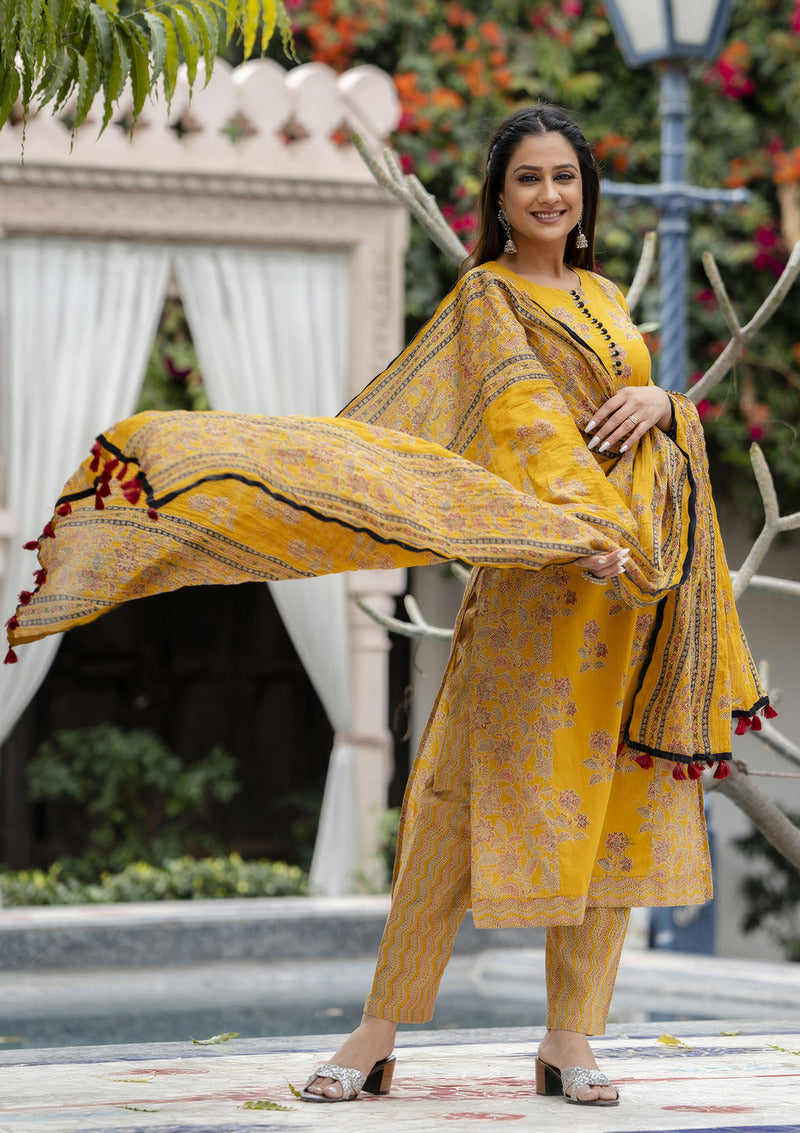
(594, 441)
(603, 446)
(601, 562)
(623, 448)
(590, 426)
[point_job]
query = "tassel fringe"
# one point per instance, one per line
(723, 770)
(11, 658)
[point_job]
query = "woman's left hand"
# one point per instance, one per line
(623, 420)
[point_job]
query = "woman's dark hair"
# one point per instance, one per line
(543, 119)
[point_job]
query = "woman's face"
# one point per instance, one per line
(542, 191)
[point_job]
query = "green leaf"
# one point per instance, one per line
(269, 17)
(103, 37)
(293, 1089)
(9, 89)
(208, 26)
(140, 68)
(118, 73)
(225, 1037)
(158, 43)
(265, 1104)
(250, 14)
(88, 84)
(171, 58)
(232, 16)
(189, 36)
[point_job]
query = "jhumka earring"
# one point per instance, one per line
(580, 240)
(510, 247)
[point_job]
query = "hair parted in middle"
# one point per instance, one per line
(542, 119)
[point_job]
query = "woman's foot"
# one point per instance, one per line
(570, 1048)
(371, 1041)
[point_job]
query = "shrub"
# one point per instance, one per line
(182, 879)
(127, 797)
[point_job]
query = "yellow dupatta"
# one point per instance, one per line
(468, 446)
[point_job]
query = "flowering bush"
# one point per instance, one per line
(460, 67)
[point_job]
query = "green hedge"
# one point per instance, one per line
(178, 880)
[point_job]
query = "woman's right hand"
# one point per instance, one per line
(607, 565)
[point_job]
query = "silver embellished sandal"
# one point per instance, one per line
(378, 1081)
(552, 1081)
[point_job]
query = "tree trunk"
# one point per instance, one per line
(762, 812)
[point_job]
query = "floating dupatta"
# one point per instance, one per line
(468, 446)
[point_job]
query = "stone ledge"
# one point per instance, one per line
(172, 933)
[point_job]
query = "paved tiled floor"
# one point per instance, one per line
(445, 1081)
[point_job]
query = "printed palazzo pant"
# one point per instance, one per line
(430, 896)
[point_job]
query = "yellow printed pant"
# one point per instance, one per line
(430, 896)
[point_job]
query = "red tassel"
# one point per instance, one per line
(152, 513)
(644, 760)
(694, 771)
(678, 772)
(98, 502)
(723, 770)
(104, 489)
(25, 597)
(123, 472)
(33, 545)
(755, 723)
(13, 622)
(95, 461)
(40, 577)
(620, 747)
(110, 466)
(768, 712)
(49, 531)
(741, 726)
(64, 509)
(132, 489)
(11, 658)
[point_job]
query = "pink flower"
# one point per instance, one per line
(407, 163)
(703, 409)
(707, 298)
(756, 432)
(572, 8)
(695, 377)
(795, 24)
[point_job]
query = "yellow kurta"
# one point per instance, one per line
(471, 446)
(539, 686)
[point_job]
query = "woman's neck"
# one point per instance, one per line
(552, 274)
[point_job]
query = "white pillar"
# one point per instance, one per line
(372, 739)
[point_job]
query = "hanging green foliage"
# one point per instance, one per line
(54, 50)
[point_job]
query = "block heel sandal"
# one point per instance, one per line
(378, 1081)
(552, 1082)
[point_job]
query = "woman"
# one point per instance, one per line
(597, 660)
(567, 829)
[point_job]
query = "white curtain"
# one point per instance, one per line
(271, 330)
(77, 320)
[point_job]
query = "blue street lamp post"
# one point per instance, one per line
(668, 31)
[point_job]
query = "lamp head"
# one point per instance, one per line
(648, 31)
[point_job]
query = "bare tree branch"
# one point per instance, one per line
(761, 810)
(773, 521)
(741, 337)
(643, 270)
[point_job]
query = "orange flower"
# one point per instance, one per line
(472, 44)
(498, 58)
(442, 44)
(457, 16)
(492, 33)
(503, 77)
(442, 98)
(796, 351)
(786, 166)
